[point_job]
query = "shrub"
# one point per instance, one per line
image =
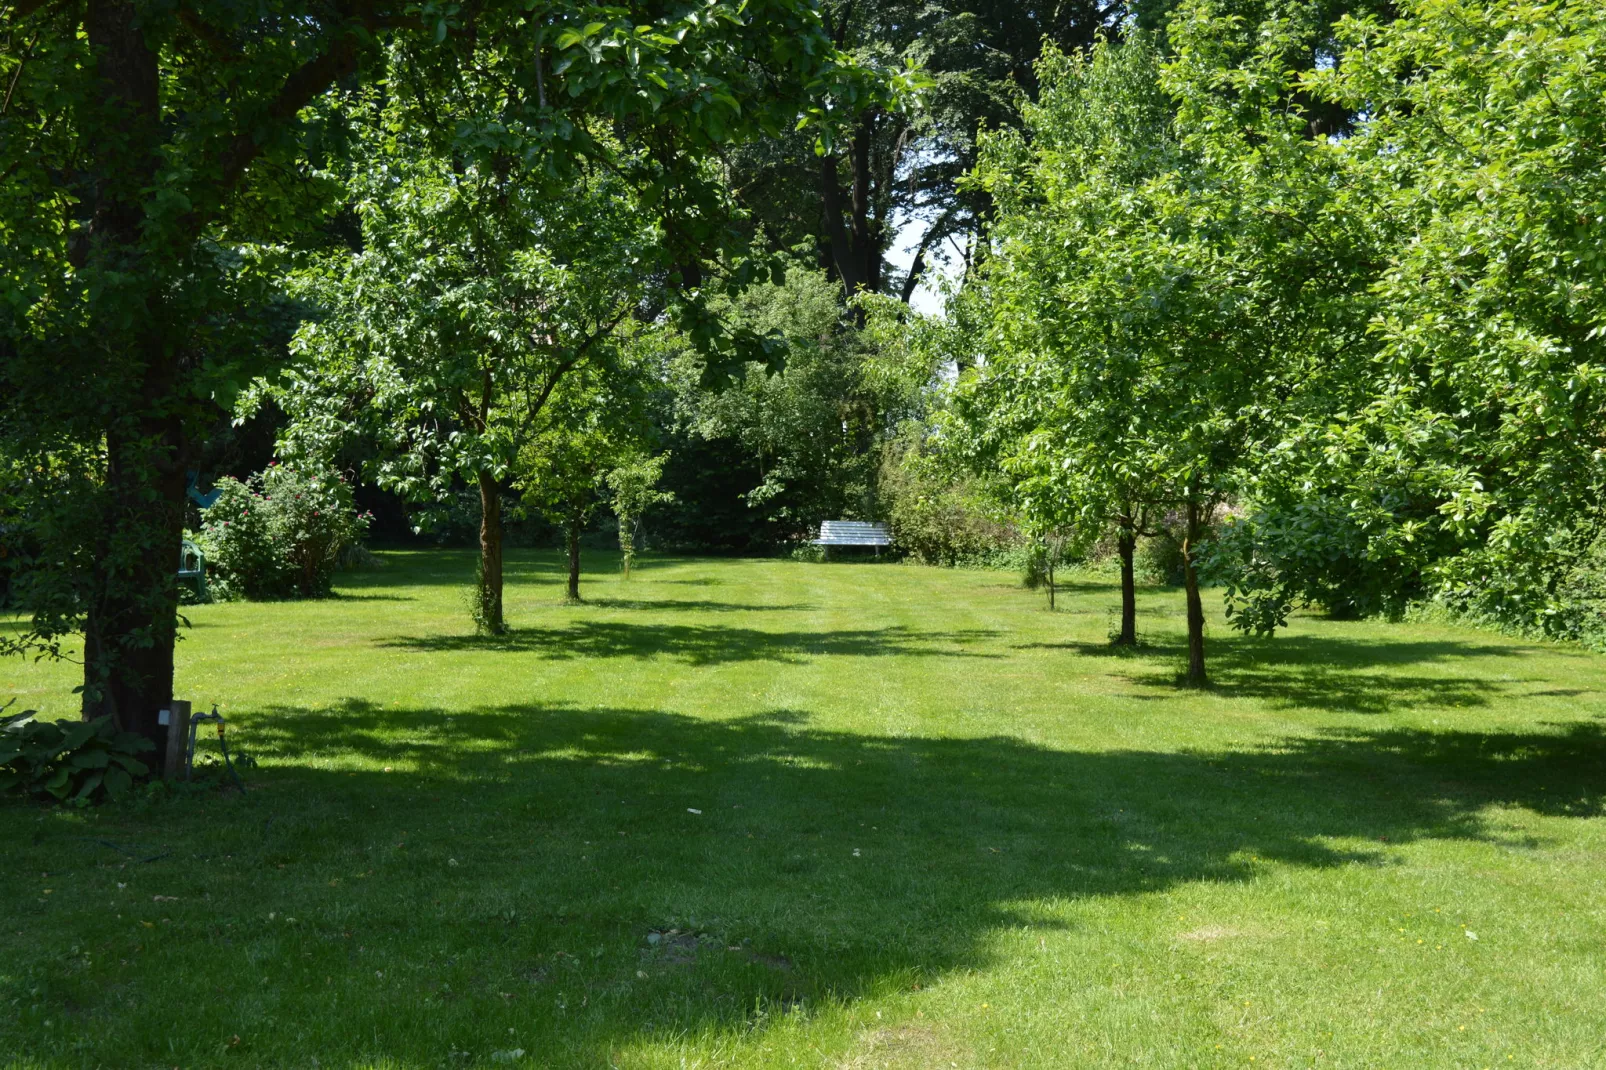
(937, 519)
(280, 533)
(80, 762)
(1159, 560)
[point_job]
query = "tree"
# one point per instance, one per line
(145, 148)
(633, 489)
(1456, 453)
(478, 288)
(898, 165)
(596, 422)
(1143, 324)
(808, 437)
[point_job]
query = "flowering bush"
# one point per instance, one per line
(279, 534)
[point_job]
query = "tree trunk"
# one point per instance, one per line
(1051, 584)
(132, 605)
(865, 246)
(627, 547)
(574, 560)
(490, 619)
(131, 600)
(855, 243)
(1196, 653)
(132, 619)
(837, 237)
(1125, 543)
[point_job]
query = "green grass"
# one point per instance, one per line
(760, 813)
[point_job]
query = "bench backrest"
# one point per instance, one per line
(854, 532)
(191, 562)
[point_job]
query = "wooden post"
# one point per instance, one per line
(178, 738)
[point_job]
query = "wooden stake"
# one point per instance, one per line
(178, 739)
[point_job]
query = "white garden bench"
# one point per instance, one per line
(852, 533)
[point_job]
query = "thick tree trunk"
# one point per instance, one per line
(627, 548)
(574, 561)
(1196, 653)
(1126, 541)
(849, 267)
(132, 612)
(865, 245)
(132, 619)
(855, 241)
(490, 619)
(131, 601)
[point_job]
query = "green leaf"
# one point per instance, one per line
(90, 759)
(79, 734)
(132, 742)
(117, 783)
(133, 765)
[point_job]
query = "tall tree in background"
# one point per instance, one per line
(894, 166)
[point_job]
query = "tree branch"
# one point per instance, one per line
(918, 266)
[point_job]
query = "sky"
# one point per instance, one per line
(945, 264)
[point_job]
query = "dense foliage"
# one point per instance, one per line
(1456, 454)
(804, 440)
(1329, 325)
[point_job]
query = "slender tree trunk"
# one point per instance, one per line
(1125, 543)
(490, 620)
(627, 547)
(1051, 584)
(1196, 652)
(574, 560)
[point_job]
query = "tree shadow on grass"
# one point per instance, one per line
(518, 862)
(1326, 672)
(706, 644)
(673, 605)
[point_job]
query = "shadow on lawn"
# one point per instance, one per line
(672, 605)
(859, 860)
(706, 644)
(1324, 672)
(519, 859)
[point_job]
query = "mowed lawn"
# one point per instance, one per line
(761, 813)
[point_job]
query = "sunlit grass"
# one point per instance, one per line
(760, 813)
